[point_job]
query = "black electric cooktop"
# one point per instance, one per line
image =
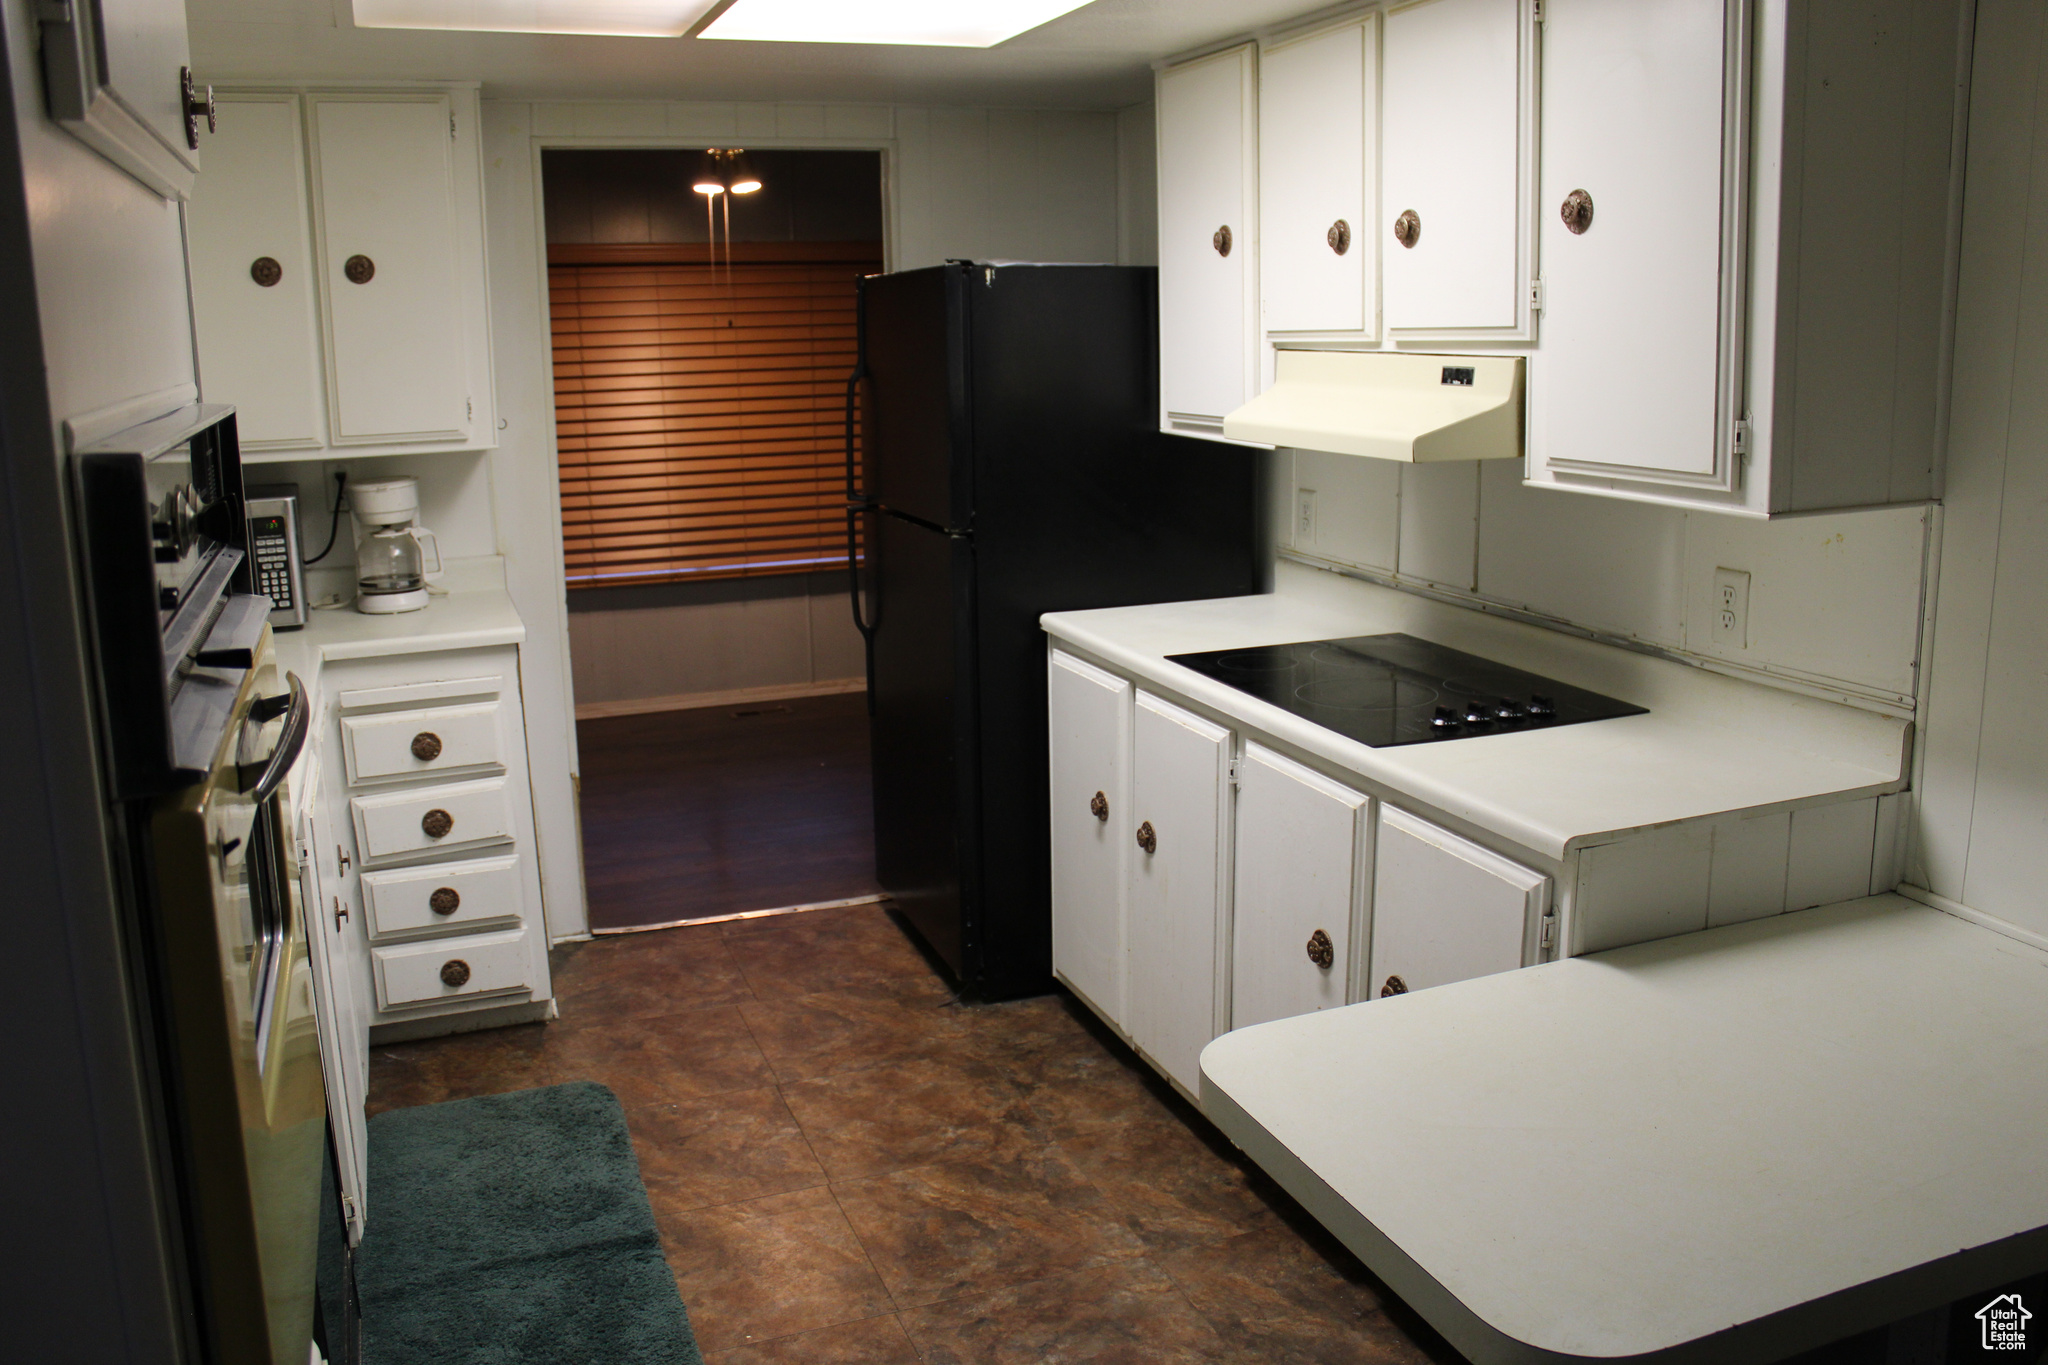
(1385, 690)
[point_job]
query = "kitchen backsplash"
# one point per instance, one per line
(1834, 600)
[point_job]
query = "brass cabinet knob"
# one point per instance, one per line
(1321, 951)
(426, 746)
(1577, 211)
(1098, 806)
(436, 823)
(1147, 840)
(198, 104)
(1408, 228)
(455, 972)
(359, 269)
(1394, 986)
(1339, 236)
(1221, 240)
(446, 900)
(266, 271)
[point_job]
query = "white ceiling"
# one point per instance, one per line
(1094, 58)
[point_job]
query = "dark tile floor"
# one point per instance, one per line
(848, 1165)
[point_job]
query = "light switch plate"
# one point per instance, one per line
(1731, 608)
(1304, 516)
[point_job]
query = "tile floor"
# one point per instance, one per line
(848, 1165)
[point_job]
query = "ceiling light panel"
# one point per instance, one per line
(615, 18)
(922, 23)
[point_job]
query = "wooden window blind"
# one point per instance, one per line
(700, 409)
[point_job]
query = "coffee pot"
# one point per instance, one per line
(392, 549)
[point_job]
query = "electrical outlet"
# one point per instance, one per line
(1731, 608)
(1304, 516)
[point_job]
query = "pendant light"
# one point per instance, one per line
(722, 173)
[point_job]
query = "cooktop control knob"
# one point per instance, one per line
(1542, 706)
(1478, 715)
(1445, 721)
(1508, 712)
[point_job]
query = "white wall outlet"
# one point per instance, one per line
(1304, 516)
(1731, 608)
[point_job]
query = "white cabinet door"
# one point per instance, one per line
(1316, 181)
(397, 354)
(1091, 829)
(1179, 827)
(1451, 156)
(1302, 843)
(1208, 241)
(1632, 376)
(1445, 909)
(344, 1036)
(257, 326)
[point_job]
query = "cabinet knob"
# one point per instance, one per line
(1147, 840)
(426, 746)
(340, 914)
(1098, 806)
(1408, 228)
(1339, 236)
(1577, 211)
(1221, 240)
(341, 857)
(266, 271)
(1394, 986)
(198, 105)
(436, 823)
(1321, 951)
(359, 269)
(446, 900)
(455, 972)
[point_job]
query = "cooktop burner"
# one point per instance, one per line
(1385, 690)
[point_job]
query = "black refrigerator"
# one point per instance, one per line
(1010, 464)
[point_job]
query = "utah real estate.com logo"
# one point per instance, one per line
(2005, 1323)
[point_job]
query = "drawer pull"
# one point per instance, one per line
(1577, 212)
(455, 973)
(1321, 951)
(1408, 228)
(446, 900)
(1395, 986)
(1098, 806)
(436, 823)
(1147, 840)
(426, 746)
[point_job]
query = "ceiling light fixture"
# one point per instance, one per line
(610, 18)
(922, 23)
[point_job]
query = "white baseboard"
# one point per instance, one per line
(690, 701)
(740, 915)
(1975, 916)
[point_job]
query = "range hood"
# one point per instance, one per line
(1389, 405)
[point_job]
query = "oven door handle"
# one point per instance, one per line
(298, 716)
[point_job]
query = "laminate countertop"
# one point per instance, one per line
(1729, 1145)
(1709, 744)
(475, 611)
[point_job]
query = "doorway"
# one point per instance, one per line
(701, 348)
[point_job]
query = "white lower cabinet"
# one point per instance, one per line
(1445, 909)
(1091, 746)
(344, 1033)
(1303, 843)
(1180, 871)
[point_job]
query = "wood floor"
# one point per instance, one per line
(694, 814)
(849, 1165)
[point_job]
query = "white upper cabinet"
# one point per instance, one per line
(254, 301)
(1317, 183)
(1299, 905)
(1634, 361)
(1208, 240)
(1746, 313)
(1453, 229)
(364, 208)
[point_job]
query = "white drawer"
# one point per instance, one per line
(395, 824)
(442, 739)
(451, 969)
(465, 896)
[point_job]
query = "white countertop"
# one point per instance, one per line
(1726, 1132)
(1709, 744)
(476, 611)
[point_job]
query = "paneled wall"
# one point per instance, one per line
(1834, 600)
(1981, 833)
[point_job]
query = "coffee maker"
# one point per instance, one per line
(392, 548)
